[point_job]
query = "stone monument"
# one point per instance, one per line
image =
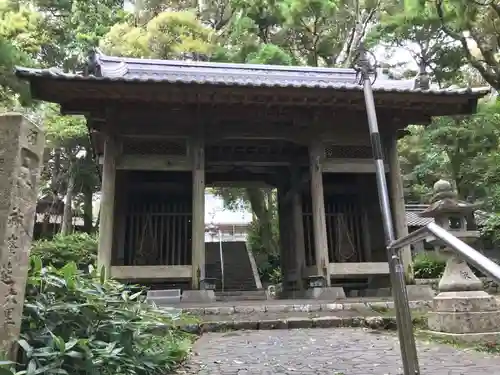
(21, 148)
(462, 309)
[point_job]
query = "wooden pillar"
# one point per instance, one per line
(198, 224)
(398, 206)
(298, 240)
(282, 222)
(106, 218)
(316, 155)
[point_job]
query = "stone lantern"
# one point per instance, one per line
(462, 308)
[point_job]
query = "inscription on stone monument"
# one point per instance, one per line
(21, 147)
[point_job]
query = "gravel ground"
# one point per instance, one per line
(339, 351)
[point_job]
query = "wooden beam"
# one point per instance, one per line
(151, 272)
(298, 184)
(197, 152)
(398, 207)
(64, 91)
(106, 221)
(298, 232)
(350, 166)
(317, 153)
(221, 115)
(154, 163)
(359, 269)
(241, 184)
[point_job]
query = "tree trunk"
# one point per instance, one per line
(96, 227)
(87, 209)
(67, 219)
(258, 202)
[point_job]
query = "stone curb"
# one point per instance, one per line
(314, 307)
(373, 322)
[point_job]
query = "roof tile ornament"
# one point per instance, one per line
(365, 64)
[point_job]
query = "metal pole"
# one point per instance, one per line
(221, 259)
(403, 316)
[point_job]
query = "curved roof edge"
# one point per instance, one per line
(121, 69)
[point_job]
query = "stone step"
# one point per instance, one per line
(241, 295)
(237, 266)
(266, 317)
(164, 296)
(300, 306)
(298, 320)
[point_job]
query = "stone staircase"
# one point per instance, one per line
(239, 280)
(238, 272)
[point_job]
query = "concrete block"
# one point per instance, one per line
(164, 297)
(464, 322)
(475, 301)
(198, 296)
(326, 293)
(420, 292)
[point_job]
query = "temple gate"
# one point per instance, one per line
(163, 131)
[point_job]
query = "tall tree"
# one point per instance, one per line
(473, 25)
(19, 43)
(67, 166)
(422, 36)
(463, 149)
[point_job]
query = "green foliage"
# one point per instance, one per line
(269, 54)
(80, 248)
(166, 36)
(18, 31)
(491, 228)
(64, 131)
(422, 36)
(255, 239)
(462, 149)
(75, 323)
(269, 268)
(472, 25)
(428, 266)
(275, 276)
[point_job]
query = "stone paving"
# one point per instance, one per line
(292, 306)
(340, 351)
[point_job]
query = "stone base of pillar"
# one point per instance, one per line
(325, 293)
(198, 296)
(468, 315)
(458, 276)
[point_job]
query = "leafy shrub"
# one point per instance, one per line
(270, 268)
(432, 265)
(80, 248)
(429, 266)
(76, 323)
(275, 276)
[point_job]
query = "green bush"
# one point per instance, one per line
(428, 266)
(275, 277)
(77, 323)
(80, 248)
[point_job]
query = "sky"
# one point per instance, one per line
(216, 213)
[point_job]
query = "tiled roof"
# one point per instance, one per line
(414, 219)
(211, 73)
